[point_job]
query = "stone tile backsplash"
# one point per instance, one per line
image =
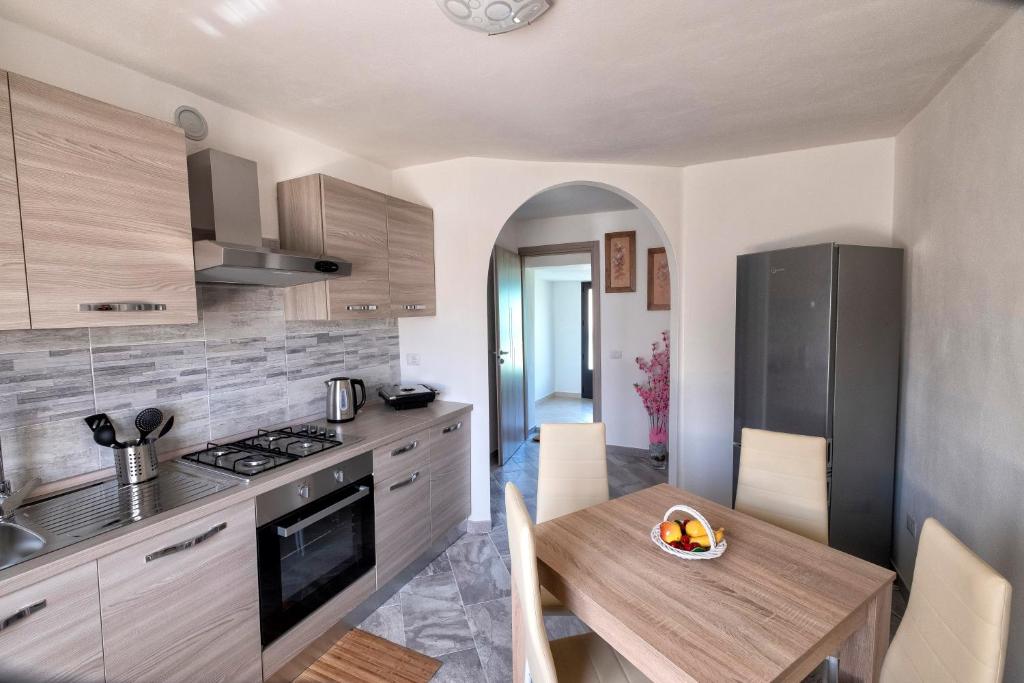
(241, 367)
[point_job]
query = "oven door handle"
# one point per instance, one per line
(285, 532)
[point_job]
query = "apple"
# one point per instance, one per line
(670, 531)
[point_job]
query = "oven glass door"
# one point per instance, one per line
(311, 554)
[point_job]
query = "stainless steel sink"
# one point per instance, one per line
(17, 544)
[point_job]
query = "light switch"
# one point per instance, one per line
(412, 359)
(615, 355)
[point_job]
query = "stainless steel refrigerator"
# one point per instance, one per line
(818, 335)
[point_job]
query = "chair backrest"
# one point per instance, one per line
(524, 575)
(783, 481)
(957, 620)
(573, 469)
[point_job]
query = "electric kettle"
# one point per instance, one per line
(341, 398)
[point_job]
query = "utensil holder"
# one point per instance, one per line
(136, 463)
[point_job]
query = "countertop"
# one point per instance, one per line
(375, 425)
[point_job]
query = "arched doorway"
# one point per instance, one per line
(559, 236)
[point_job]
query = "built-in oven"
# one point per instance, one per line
(314, 539)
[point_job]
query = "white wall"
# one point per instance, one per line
(841, 193)
(566, 322)
(279, 153)
(472, 199)
(542, 342)
(960, 216)
(627, 327)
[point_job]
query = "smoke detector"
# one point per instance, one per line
(493, 16)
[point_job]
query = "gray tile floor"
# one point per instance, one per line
(563, 409)
(458, 609)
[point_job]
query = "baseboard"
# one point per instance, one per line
(566, 394)
(478, 526)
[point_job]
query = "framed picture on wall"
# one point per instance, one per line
(620, 262)
(659, 284)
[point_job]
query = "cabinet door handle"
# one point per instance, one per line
(185, 545)
(121, 307)
(405, 449)
(452, 428)
(22, 614)
(415, 307)
(361, 307)
(401, 484)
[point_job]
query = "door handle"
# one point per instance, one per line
(285, 532)
(405, 449)
(23, 613)
(185, 545)
(401, 484)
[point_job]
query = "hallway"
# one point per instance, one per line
(563, 409)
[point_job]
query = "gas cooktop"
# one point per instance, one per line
(270, 448)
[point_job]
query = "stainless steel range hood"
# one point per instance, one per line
(224, 196)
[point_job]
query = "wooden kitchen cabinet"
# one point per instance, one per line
(388, 241)
(450, 492)
(52, 630)
(13, 289)
(325, 216)
(411, 259)
(402, 517)
(184, 605)
(104, 211)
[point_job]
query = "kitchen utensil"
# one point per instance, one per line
(96, 421)
(341, 398)
(147, 422)
(407, 396)
(136, 463)
(167, 428)
(106, 436)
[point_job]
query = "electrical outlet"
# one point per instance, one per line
(615, 355)
(911, 525)
(412, 359)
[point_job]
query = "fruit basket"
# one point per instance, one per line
(716, 539)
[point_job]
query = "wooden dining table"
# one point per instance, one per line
(771, 608)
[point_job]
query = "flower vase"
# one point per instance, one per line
(658, 455)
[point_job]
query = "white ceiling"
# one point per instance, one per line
(666, 82)
(570, 200)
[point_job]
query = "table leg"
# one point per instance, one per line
(518, 647)
(860, 657)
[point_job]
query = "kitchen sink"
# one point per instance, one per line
(17, 544)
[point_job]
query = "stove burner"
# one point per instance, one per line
(267, 449)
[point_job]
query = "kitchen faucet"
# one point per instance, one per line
(10, 499)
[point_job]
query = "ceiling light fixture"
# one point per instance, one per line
(493, 16)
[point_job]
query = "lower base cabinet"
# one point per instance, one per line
(450, 497)
(184, 605)
(51, 630)
(402, 520)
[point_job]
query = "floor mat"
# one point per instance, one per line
(363, 658)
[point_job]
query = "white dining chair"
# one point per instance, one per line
(577, 659)
(783, 481)
(573, 469)
(573, 474)
(957, 621)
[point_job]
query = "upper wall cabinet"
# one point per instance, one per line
(389, 242)
(13, 291)
(411, 258)
(104, 211)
